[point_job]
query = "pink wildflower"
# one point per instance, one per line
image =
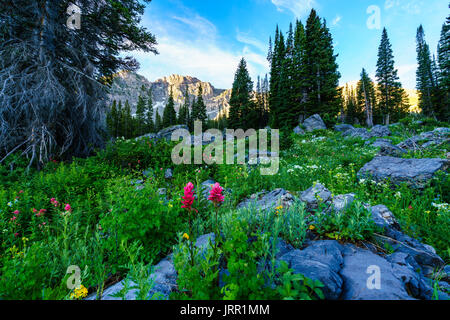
(215, 195)
(188, 197)
(67, 207)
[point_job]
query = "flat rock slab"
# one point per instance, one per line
(415, 172)
(355, 274)
(321, 260)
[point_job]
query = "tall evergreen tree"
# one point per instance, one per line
(322, 76)
(64, 116)
(158, 122)
(111, 120)
(276, 79)
(199, 108)
(242, 109)
(149, 122)
(387, 78)
(299, 57)
(169, 114)
(183, 114)
(426, 84)
(128, 121)
(140, 120)
(366, 99)
(443, 109)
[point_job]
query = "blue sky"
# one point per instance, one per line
(207, 38)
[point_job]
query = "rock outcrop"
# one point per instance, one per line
(438, 136)
(415, 172)
(268, 200)
(314, 122)
(129, 86)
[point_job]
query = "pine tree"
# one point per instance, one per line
(111, 120)
(387, 78)
(299, 57)
(276, 79)
(242, 113)
(425, 78)
(119, 122)
(158, 122)
(365, 94)
(128, 122)
(322, 76)
(199, 108)
(169, 114)
(140, 120)
(183, 114)
(37, 48)
(443, 109)
(149, 123)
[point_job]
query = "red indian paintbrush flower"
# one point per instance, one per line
(215, 195)
(188, 198)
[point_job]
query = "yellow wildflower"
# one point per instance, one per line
(79, 293)
(312, 227)
(186, 236)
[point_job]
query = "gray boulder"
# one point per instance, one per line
(164, 282)
(387, 148)
(380, 131)
(322, 261)
(314, 122)
(436, 137)
(342, 201)
(424, 255)
(315, 195)
(355, 275)
(343, 127)
(358, 133)
(415, 172)
(268, 200)
(299, 131)
(168, 174)
(167, 132)
(383, 217)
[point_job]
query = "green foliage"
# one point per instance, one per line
(169, 115)
(354, 223)
(143, 217)
(199, 108)
(304, 76)
(113, 215)
(242, 113)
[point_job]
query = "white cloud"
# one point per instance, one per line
(188, 45)
(408, 6)
(298, 7)
(336, 20)
(246, 39)
(199, 25)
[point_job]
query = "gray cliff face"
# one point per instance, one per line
(129, 85)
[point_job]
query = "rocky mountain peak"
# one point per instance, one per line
(129, 86)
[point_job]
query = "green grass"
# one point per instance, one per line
(110, 220)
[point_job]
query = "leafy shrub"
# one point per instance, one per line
(141, 215)
(354, 223)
